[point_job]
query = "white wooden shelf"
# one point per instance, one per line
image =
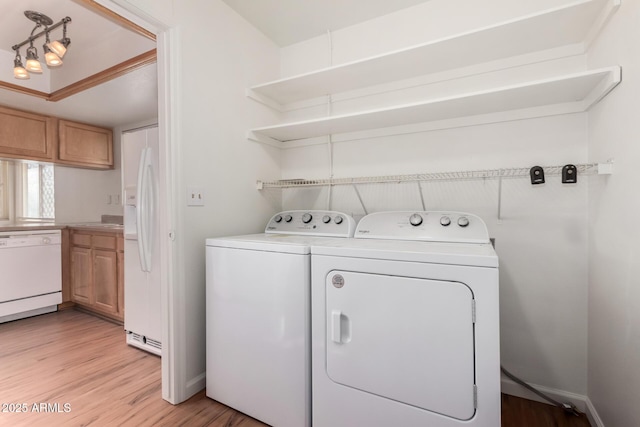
(575, 23)
(560, 95)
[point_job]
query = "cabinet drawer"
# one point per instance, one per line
(81, 239)
(104, 242)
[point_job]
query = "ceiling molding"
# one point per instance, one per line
(108, 13)
(24, 90)
(104, 76)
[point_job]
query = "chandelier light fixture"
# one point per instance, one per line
(53, 50)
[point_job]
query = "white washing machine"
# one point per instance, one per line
(405, 324)
(258, 316)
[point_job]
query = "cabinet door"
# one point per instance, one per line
(26, 136)
(105, 281)
(84, 145)
(121, 284)
(81, 275)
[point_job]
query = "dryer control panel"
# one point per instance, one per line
(312, 223)
(430, 226)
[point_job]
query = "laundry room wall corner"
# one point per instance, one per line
(614, 241)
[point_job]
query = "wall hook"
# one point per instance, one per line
(537, 175)
(569, 174)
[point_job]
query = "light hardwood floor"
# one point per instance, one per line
(81, 360)
(78, 359)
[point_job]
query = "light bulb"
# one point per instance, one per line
(21, 73)
(18, 70)
(52, 59)
(58, 47)
(33, 64)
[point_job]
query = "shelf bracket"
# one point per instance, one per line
(364, 208)
(605, 168)
(263, 139)
(424, 208)
(501, 173)
(264, 100)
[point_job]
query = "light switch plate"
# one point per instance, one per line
(195, 196)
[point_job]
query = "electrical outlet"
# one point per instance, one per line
(108, 199)
(195, 196)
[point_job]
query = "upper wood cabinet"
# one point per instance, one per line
(29, 136)
(26, 135)
(84, 145)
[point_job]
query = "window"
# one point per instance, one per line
(26, 191)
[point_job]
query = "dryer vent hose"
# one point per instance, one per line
(569, 408)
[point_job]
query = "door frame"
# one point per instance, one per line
(174, 384)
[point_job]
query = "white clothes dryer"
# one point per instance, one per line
(405, 324)
(258, 316)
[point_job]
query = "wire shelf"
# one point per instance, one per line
(521, 172)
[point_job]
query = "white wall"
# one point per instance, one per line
(220, 56)
(82, 194)
(542, 238)
(614, 242)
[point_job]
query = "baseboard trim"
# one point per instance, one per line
(196, 384)
(592, 415)
(512, 388)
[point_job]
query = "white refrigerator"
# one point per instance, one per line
(142, 312)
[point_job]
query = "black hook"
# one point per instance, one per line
(569, 174)
(537, 175)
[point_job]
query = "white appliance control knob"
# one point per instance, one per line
(463, 221)
(338, 219)
(306, 218)
(46, 240)
(445, 221)
(326, 219)
(288, 218)
(415, 220)
(277, 218)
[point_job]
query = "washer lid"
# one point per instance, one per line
(283, 243)
(465, 254)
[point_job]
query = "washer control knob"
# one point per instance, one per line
(415, 220)
(326, 219)
(288, 218)
(306, 218)
(445, 221)
(338, 219)
(463, 221)
(278, 218)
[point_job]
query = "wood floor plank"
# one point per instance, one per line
(74, 358)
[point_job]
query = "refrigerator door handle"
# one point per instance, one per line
(150, 209)
(141, 209)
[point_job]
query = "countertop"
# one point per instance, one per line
(89, 226)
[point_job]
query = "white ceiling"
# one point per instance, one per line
(128, 99)
(291, 21)
(133, 97)
(85, 30)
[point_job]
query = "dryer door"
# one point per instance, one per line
(406, 339)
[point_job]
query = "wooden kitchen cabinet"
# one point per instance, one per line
(97, 272)
(105, 280)
(84, 145)
(26, 135)
(81, 275)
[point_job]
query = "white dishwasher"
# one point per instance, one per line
(30, 273)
